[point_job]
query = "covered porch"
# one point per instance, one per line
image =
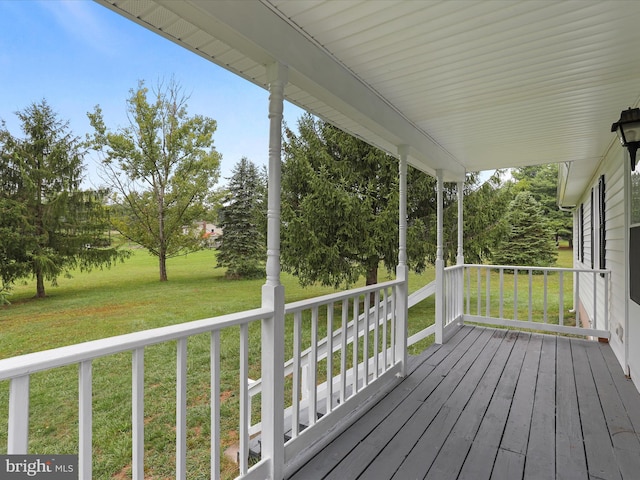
(447, 87)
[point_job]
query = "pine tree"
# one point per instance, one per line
(48, 225)
(339, 205)
(243, 248)
(528, 236)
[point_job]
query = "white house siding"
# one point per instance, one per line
(615, 254)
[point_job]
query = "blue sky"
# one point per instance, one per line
(77, 54)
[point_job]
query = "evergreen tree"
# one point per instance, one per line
(48, 225)
(542, 182)
(162, 169)
(340, 208)
(243, 247)
(528, 236)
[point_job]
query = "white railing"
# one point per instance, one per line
(343, 350)
(505, 295)
(379, 319)
(18, 370)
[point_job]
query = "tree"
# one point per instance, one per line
(243, 247)
(48, 225)
(161, 167)
(542, 182)
(528, 236)
(340, 207)
(484, 205)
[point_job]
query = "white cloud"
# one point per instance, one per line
(80, 20)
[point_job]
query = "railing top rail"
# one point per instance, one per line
(544, 269)
(336, 297)
(72, 354)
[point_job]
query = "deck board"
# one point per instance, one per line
(484, 449)
(492, 404)
(571, 463)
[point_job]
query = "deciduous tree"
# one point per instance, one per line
(162, 167)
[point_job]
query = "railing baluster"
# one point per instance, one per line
(215, 405)
(595, 300)
(181, 410)
(85, 414)
(356, 326)
(468, 270)
(18, 435)
(312, 366)
(365, 341)
(479, 291)
(393, 325)
(488, 294)
(343, 349)
(515, 294)
(385, 311)
(546, 306)
(376, 339)
(561, 301)
(501, 292)
(330, 357)
(607, 279)
(295, 396)
(530, 294)
(577, 306)
(137, 414)
(244, 397)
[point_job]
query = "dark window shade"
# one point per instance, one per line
(582, 232)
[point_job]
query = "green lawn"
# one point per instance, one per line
(130, 298)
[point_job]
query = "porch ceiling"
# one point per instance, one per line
(468, 85)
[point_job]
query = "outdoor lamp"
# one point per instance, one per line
(628, 129)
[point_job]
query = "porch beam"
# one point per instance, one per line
(272, 416)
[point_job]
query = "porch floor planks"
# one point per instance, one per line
(496, 404)
(349, 442)
(571, 463)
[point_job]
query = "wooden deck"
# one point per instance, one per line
(496, 404)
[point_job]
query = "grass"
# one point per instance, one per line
(125, 299)
(130, 298)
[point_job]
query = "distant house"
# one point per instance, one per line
(210, 233)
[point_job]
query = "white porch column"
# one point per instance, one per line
(402, 271)
(440, 261)
(460, 256)
(273, 291)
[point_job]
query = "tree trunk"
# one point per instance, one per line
(372, 279)
(39, 285)
(162, 261)
(372, 275)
